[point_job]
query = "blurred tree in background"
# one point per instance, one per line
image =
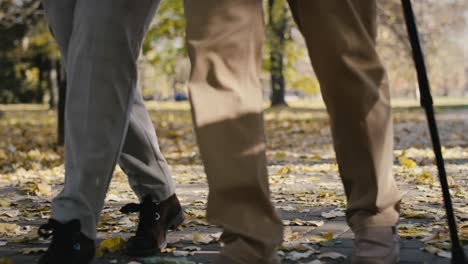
(27, 54)
(442, 25)
(30, 70)
(279, 26)
(165, 52)
(285, 56)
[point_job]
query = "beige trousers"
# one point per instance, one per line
(224, 39)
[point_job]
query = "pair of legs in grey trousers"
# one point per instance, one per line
(106, 120)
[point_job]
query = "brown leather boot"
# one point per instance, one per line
(156, 218)
(376, 245)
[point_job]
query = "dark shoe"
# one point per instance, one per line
(156, 218)
(376, 245)
(68, 245)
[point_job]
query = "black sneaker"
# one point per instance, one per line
(68, 245)
(156, 218)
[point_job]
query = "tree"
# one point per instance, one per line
(26, 53)
(440, 23)
(164, 47)
(277, 29)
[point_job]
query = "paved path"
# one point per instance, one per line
(304, 182)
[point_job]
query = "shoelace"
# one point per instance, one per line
(149, 212)
(62, 236)
(135, 208)
(47, 230)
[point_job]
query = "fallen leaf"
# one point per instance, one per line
(407, 163)
(204, 238)
(333, 214)
(295, 256)
(439, 252)
(182, 253)
(323, 238)
(191, 248)
(44, 189)
(32, 251)
(426, 178)
(331, 255)
(8, 229)
(112, 245)
(413, 232)
(284, 170)
(299, 222)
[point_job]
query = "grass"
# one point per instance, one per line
(398, 103)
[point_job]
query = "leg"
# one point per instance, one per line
(141, 158)
(101, 72)
(341, 36)
(224, 41)
(60, 15)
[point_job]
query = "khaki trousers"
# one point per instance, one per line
(106, 120)
(224, 40)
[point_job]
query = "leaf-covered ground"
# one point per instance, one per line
(304, 180)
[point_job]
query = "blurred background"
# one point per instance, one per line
(31, 71)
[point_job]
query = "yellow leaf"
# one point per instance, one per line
(44, 189)
(328, 236)
(196, 238)
(111, 245)
(30, 236)
(414, 214)
(5, 204)
(407, 162)
(168, 250)
(314, 158)
(3, 155)
(323, 238)
(279, 155)
(8, 229)
(426, 178)
(413, 233)
(202, 239)
(284, 170)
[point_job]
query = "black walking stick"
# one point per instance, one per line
(458, 256)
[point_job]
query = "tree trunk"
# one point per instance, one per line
(62, 92)
(277, 79)
(277, 25)
(51, 86)
(40, 90)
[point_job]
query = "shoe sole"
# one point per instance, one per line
(172, 226)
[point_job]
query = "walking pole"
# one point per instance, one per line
(458, 256)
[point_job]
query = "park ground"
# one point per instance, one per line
(305, 185)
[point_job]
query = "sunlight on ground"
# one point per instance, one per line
(304, 177)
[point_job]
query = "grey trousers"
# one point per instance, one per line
(106, 120)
